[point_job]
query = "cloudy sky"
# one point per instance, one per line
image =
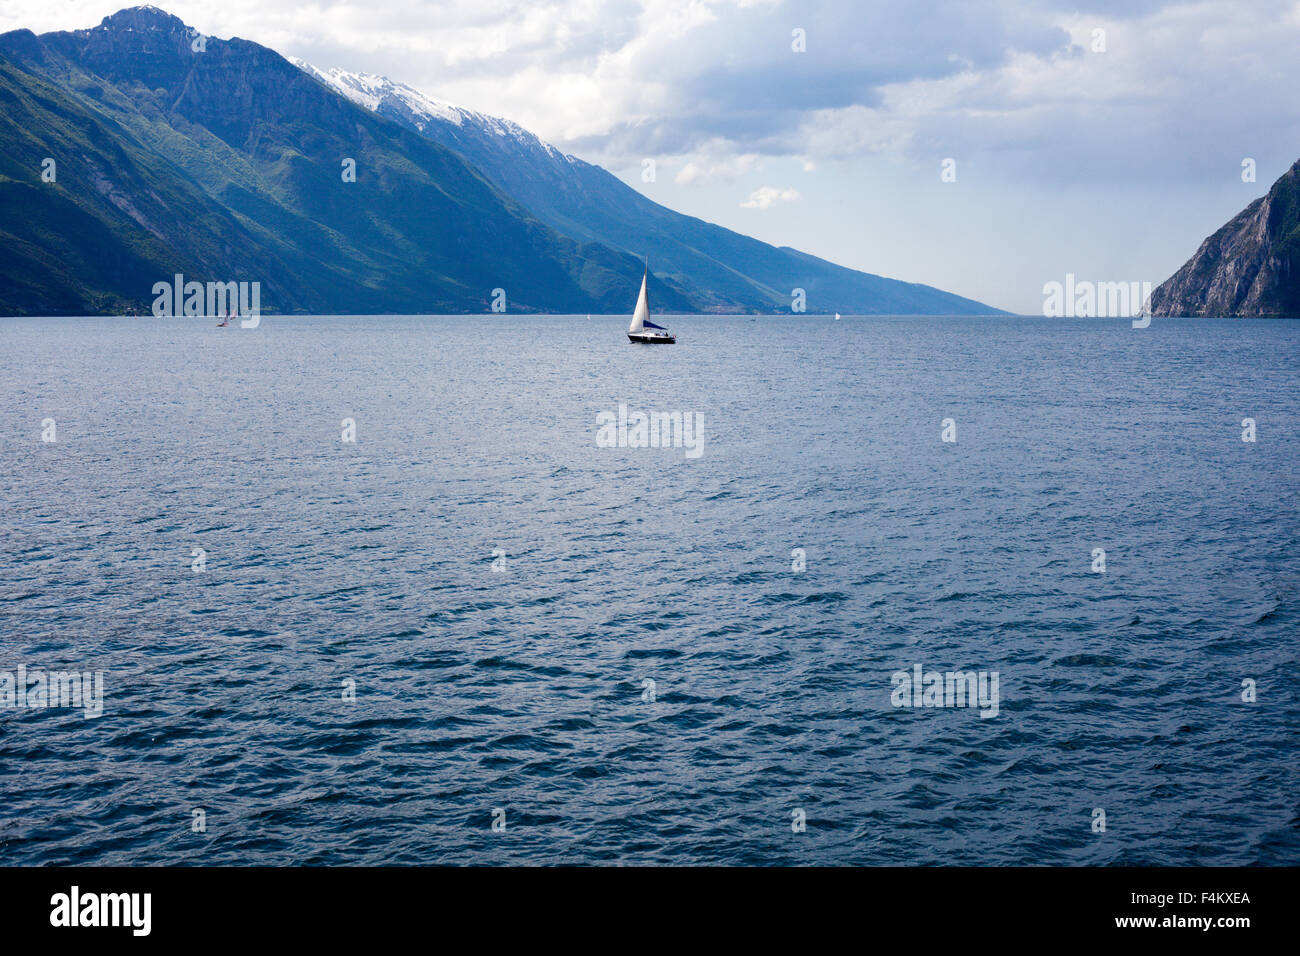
(1100, 137)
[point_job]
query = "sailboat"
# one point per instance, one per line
(642, 330)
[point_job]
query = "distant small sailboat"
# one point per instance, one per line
(642, 330)
(837, 316)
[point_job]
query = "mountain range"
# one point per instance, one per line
(730, 271)
(139, 149)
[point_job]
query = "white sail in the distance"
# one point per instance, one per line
(642, 309)
(642, 329)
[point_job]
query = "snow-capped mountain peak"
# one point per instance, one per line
(381, 95)
(371, 90)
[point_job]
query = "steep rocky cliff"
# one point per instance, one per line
(1250, 267)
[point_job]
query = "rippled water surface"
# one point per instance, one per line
(523, 688)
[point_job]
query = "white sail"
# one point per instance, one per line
(642, 309)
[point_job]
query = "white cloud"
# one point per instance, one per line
(1177, 93)
(764, 196)
(705, 169)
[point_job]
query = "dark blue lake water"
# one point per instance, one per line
(499, 588)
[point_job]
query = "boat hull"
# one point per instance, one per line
(645, 338)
